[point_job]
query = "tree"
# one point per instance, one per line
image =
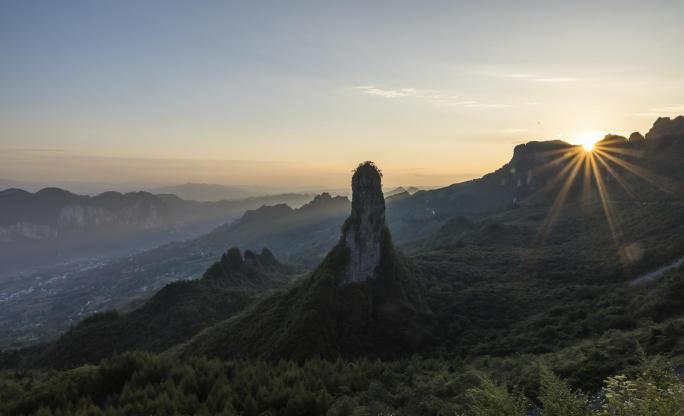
(491, 399)
(556, 397)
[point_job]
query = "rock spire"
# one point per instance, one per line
(365, 229)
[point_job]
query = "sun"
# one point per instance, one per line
(588, 140)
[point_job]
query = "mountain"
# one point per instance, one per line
(206, 192)
(529, 169)
(401, 190)
(174, 314)
(38, 306)
(533, 167)
(364, 299)
(553, 275)
(526, 223)
(54, 225)
(395, 191)
(297, 235)
(53, 211)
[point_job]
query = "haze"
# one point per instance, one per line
(293, 95)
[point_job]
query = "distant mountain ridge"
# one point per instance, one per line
(207, 192)
(40, 305)
(65, 211)
(54, 225)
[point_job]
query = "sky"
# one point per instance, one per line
(297, 93)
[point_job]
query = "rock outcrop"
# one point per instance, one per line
(364, 299)
(666, 128)
(365, 229)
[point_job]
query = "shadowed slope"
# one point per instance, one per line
(364, 299)
(173, 315)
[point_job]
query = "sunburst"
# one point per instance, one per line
(595, 160)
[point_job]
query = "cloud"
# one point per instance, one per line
(428, 95)
(394, 93)
(529, 77)
(664, 111)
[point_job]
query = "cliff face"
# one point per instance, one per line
(53, 213)
(365, 229)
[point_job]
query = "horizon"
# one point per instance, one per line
(587, 140)
(295, 97)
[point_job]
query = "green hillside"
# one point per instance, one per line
(173, 315)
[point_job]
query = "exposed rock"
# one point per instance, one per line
(81, 216)
(364, 299)
(529, 169)
(666, 128)
(364, 230)
(22, 230)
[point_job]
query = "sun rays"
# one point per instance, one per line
(588, 140)
(591, 166)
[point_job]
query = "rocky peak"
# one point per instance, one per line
(368, 201)
(325, 202)
(232, 260)
(667, 134)
(263, 260)
(364, 230)
(536, 153)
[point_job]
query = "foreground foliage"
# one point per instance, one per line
(146, 384)
(655, 391)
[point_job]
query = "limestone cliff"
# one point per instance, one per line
(365, 228)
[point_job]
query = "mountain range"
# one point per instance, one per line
(561, 253)
(54, 225)
(207, 192)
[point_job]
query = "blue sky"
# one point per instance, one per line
(432, 91)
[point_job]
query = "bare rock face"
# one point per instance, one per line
(365, 228)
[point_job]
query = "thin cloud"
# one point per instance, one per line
(428, 95)
(395, 93)
(530, 77)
